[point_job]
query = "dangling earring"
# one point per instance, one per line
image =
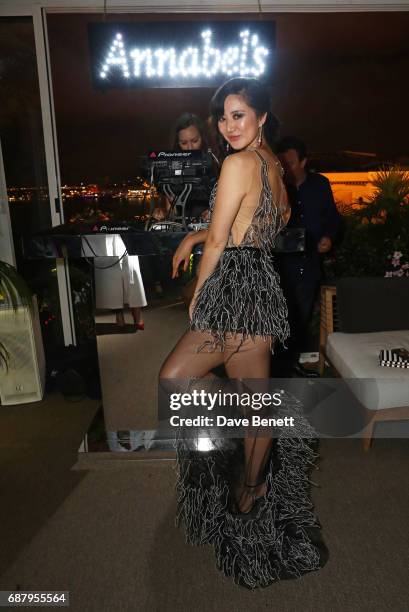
(227, 147)
(260, 136)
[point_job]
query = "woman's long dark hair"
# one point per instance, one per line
(185, 121)
(256, 96)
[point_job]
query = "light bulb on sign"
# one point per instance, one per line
(229, 59)
(258, 55)
(189, 62)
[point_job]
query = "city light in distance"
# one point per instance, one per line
(247, 58)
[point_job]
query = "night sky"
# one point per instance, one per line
(339, 83)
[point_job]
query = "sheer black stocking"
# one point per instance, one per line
(243, 359)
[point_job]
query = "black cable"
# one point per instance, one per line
(92, 264)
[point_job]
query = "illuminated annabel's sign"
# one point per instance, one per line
(153, 55)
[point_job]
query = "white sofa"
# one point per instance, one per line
(354, 355)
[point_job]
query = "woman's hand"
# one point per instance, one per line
(324, 245)
(184, 250)
(182, 255)
(159, 214)
(205, 216)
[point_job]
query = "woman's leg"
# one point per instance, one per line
(185, 362)
(246, 360)
(243, 360)
(119, 315)
(136, 314)
(185, 365)
(137, 317)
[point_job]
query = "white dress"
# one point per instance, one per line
(119, 284)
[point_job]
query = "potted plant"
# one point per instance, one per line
(14, 292)
(376, 236)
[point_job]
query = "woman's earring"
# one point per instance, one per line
(260, 136)
(227, 147)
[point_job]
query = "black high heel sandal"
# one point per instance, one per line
(255, 498)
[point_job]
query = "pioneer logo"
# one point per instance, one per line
(174, 154)
(118, 228)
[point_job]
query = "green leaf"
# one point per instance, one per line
(14, 292)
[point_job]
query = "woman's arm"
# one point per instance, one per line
(231, 189)
(162, 207)
(184, 250)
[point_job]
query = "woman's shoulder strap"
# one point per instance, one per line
(261, 157)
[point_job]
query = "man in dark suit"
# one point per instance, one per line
(312, 207)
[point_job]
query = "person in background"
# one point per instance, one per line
(189, 136)
(117, 275)
(312, 207)
(189, 133)
(118, 283)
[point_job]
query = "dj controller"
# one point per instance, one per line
(180, 175)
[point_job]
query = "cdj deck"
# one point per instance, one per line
(96, 240)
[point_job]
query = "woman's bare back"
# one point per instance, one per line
(264, 182)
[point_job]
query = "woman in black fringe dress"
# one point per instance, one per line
(248, 498)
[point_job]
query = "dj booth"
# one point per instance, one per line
(90, 240)
(180, 175)
(183, 177)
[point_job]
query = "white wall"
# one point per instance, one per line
(203, 6)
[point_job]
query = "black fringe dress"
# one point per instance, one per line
(281, 538)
